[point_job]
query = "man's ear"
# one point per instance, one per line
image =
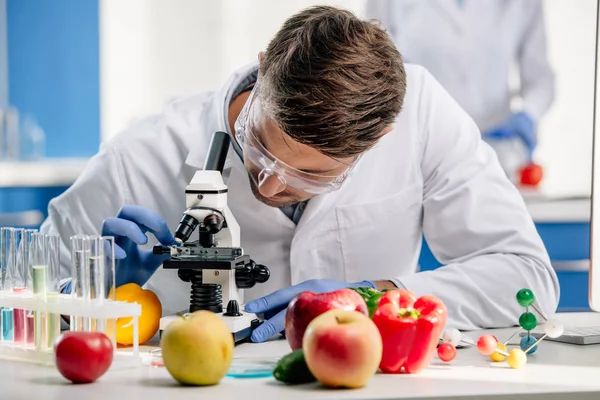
(261, 57)
(387, 130)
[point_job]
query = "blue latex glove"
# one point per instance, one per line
(135, 265)
(66, 288)
(275, 304)
(519, 125)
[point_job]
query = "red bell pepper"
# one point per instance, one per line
(410, 329)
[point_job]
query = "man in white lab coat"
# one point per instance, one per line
(367, 155)
(471, 48)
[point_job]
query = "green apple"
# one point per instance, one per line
(197, 349)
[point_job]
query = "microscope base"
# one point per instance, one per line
(241, 327)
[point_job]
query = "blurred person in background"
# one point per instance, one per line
(470, 47)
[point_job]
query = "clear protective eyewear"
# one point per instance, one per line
(270, 166)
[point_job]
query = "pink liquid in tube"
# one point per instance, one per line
(30, 339)
(19, 322)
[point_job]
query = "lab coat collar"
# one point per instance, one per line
(214, 116)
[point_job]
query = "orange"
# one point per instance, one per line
(147, 322)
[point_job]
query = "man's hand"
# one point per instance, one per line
(519, 125)
(274, 305)
(382, 285)
(129, 229)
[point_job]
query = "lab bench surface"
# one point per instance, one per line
(555, 371)
(559, 210)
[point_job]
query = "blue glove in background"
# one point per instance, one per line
(129, 228)
(519, 125)
(276, 304)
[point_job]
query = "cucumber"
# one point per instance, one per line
(292, 369)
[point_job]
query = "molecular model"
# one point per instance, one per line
(489, 345)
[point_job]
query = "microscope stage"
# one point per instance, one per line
(241, 327)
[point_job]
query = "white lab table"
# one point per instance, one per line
(555, 371)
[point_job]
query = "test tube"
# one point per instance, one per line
(13, 261)
(11, 273)
(5, 327)
(5, 233)
(80, 284)
(19, 283)
(102, 280)
(29, 314)
(39, 271)
(29, 233)
(52, 286)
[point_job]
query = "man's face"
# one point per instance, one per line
(271, 189)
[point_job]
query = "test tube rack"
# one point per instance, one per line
(73, 307)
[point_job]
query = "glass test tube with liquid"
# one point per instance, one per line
(39, 266)
(29, 315)
(15, 280)
(19, 276)
(6, 314)
(80, 278)
(45, 265)
(52, 281)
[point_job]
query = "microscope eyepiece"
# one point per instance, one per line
(186, 227)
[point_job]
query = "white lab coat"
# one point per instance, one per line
(432, 174)
(471, 49)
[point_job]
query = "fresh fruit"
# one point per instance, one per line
(83, 357)
(292, 369)
(410, 328)
(197, 349)
(446, 352)
(308, 305)
(531, 175)
(342, 348)
(147, 322)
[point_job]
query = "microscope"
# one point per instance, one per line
(215, 264)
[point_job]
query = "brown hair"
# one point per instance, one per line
(332, 81)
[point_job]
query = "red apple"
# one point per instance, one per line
(307, 305)
(342, 348)
(83, 357)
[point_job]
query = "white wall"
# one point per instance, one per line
(566, 133)
(150, 51)
(153, 50)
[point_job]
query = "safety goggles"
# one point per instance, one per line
(270, 166)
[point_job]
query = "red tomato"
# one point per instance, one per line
(83, 357)
(446, 352)
(531, 175)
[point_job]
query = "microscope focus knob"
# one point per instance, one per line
(233, 309)
(261, 273)
(251, 274)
